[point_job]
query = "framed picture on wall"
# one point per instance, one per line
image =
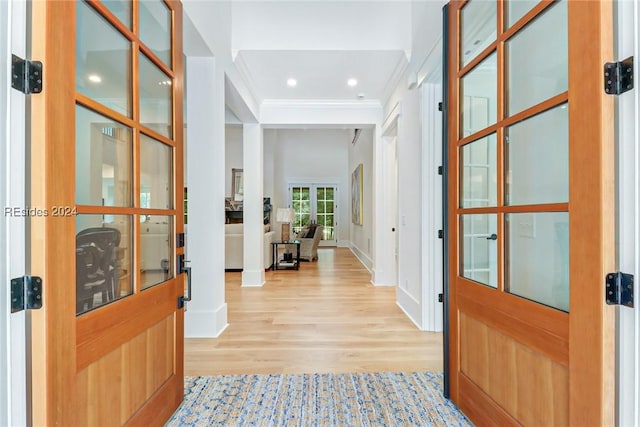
(356, 196)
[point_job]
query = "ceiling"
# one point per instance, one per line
(321, 74)
(321, 44)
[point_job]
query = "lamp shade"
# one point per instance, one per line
(285, 215)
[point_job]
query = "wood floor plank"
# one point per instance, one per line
(325, 317)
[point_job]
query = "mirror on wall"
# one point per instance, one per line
(236, 185)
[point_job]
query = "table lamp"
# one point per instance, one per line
(286, 216)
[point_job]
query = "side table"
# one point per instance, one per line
(278, 261)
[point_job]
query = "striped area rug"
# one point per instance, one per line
(365, 399)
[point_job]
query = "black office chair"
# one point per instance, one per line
(96, 266)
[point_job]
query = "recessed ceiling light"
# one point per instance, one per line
(165, 83)
(292, 82)
(352, 82)
(95, 78)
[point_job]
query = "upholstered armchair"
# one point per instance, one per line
(309, 245)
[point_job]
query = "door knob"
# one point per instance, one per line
(494, 236)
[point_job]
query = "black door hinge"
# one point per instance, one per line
(618, 76)
(440, 170)
(619, 289)
(26, 293)
(440, 234)
(440, 106)
(26, 76)
(440, 297)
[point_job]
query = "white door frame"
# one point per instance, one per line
(13, 369)
(391, 193)
(5, 391)
(628, 143)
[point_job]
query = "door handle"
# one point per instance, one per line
(182, 268)
(494, 236)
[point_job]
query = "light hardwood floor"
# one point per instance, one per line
(325, 317)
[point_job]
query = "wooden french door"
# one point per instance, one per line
(107, 177)
(531, 217)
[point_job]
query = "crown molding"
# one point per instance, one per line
(245, 74)
(396, 78)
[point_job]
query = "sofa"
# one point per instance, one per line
(309, 242)
(234, 244)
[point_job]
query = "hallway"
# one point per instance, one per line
(326, 317)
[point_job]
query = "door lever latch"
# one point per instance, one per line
(182, 268)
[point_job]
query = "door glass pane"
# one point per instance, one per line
(516, 9)
(301, 204)
(479, 24)
(103, 160)
(155, 174)
(479, 97)
(103, 260)
(156, 109)
(537, 159)
(156, 259)
(537, 245)
(324, 213)
(537, 60)
(103, 61)
(155, 28)
(480, 248)
(479, 180)
(121, 9)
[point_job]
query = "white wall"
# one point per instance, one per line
(326, 25)
(213, 21)
(419, 278)
(232, 154)
(361, 236)
(310, 156)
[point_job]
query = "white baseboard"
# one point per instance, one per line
(205, 323)
(362, 257)
(410, 306)
(253, 278)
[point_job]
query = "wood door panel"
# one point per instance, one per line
(525, 331)
(528, 385)
(115, 387)
(109, 327)
(479, 407)
(511, 360)
(122, 362)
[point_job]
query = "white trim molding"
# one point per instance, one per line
(410, 306)
(205, 323)
(432, 274)
(364, 259)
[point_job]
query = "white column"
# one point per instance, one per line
(252, 164)
(206, 314)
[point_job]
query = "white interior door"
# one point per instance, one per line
(627, 116)
(13, 389)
